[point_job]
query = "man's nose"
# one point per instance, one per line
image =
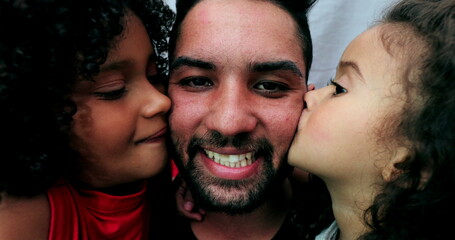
(233, 112)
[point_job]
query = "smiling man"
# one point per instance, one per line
(238, 76)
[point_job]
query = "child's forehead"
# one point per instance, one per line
(395, 45)
(366, 49)
(400, 39)
(367, 59)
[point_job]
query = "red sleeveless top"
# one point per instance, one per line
(87, 214)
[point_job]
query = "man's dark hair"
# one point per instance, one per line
(298, 9)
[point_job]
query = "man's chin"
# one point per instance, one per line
(232, 197)
(231, 204)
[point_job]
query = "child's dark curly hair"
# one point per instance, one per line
(45, 46)
(418, 204)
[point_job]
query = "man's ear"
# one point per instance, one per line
(390, 172)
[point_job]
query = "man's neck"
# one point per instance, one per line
(263, 223)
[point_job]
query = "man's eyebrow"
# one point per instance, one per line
(276, 66)
(353, 65)
(192, 62)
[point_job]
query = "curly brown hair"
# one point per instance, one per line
(417, 204)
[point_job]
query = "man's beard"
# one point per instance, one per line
(231, 196)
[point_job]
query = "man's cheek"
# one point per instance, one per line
(285, 127)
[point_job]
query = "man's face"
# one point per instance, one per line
(237, 84)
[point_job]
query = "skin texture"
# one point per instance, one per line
(107, 130)
(337, 133)
(121, 135)
(223, 85)
(24, 218)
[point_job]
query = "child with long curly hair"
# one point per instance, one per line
(382, 135)
(83, 123)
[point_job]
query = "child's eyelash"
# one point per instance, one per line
(332, 82)
(112, 95)
(338, 88)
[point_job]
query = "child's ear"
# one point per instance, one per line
(390, 172)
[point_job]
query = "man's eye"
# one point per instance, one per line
(111, 95)
(196, 82)
(271, 87)
(338, 88)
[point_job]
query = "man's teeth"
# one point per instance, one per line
(233, 161)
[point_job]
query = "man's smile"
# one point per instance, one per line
(233, 161)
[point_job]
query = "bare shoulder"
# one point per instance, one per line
(24, 218)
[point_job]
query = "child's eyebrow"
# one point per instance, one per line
(351, 64)
(116, 65)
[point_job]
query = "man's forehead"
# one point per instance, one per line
(208, 8)
(219, 36)
(238, 13)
